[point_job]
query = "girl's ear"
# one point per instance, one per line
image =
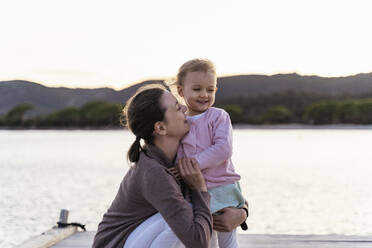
(180, 90)
(160, 128)
(216, 89)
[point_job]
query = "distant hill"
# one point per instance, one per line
(255, 85)
(48, 99)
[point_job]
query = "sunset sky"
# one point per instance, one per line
(76, 43)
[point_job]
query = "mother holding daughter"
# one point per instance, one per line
(153, 207)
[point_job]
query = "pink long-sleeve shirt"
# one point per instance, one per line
(209, 141)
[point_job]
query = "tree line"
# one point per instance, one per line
(94, 114)
(299, 107)
(283, 108)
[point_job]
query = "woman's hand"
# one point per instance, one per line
(191, 174)
(230, 219)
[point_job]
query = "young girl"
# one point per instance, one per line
(209, 140)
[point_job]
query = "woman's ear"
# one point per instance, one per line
(160, 128)
(180, 90)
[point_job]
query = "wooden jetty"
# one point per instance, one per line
(70, 237)
(78, 239)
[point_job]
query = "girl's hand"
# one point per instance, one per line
(191, 174)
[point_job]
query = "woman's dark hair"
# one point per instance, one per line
(141, 113)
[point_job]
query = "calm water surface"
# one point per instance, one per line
(296, 181)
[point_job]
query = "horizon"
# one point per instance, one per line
(92, 44)
(161, 79)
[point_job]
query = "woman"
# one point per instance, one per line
(150, 189)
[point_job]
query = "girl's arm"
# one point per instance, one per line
(191, 224)
(221, 148)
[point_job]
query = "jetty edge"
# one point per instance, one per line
(49, 238)
(85, 240)
(67, 235)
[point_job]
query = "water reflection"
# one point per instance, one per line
(297, 181)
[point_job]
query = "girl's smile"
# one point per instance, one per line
(198, 90)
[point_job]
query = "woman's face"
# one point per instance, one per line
(175, 118)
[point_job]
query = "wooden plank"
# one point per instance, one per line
(303, 241)
(334, 237)
(85, 240)
(79, 239)
(48, 238)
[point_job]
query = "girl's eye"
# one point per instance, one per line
(210, 90)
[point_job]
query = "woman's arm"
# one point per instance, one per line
(191, 224)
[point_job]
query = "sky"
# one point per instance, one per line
(78, 43)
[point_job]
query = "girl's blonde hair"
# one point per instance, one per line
(202, 65)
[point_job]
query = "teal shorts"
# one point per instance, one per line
(224, 196)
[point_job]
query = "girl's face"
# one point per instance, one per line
(198, 89)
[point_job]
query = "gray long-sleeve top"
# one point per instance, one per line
(148, 188)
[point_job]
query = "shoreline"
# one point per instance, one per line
(236, 126)
(304, 126)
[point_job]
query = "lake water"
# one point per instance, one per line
(296, 181)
